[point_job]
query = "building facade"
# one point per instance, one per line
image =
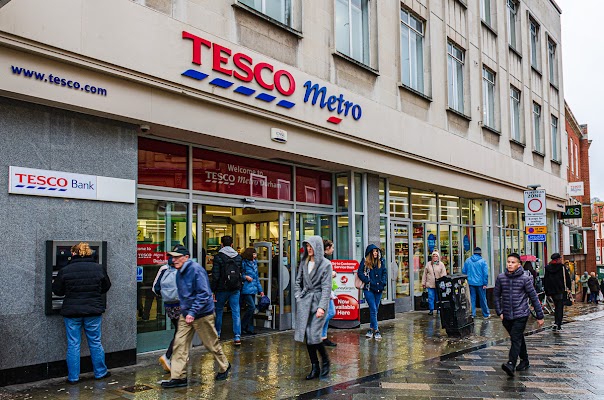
(412, 125)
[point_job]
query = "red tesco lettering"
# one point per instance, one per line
(42, 180)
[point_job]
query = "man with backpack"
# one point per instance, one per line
(226, 285)
(165, 287)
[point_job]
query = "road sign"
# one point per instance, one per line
(534, 208)
(536, 230)
(139, 274)
(535, 238)
(572, 212)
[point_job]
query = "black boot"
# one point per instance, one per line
(314, 372)
(325, 368)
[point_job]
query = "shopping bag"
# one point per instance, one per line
(423, 302)
(358, 283)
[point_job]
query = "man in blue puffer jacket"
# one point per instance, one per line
(478, 278)
(511, 293)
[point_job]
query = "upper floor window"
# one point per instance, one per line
(515, 113)
(488, 97)
(555, 140)
(534, 28)
(576, 159)
(485, 11)
(553, 64)
(455, 62)
(412, 51)
(280, 10)
(537, 127)
(352, 29)
(512, 23)
(572, 156)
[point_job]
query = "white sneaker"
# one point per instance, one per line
(369, 334)
(165, 363)
(377, 335)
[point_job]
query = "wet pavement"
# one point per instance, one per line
(414, 359)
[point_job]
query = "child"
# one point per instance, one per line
(511, 293)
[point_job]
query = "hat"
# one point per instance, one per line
(178, 251)
(556, 256)
(435, 252)
(477, 250)
(516, 255)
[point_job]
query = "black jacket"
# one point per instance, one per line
(594, 285)
(82, 282)
(554, 280)
(217, 281)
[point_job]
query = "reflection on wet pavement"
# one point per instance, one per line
(273, 366)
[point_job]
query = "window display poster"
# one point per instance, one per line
(347, 302)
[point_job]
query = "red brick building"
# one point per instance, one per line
(577, 238)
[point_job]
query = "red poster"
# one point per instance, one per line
(147, 254)
(347, 303)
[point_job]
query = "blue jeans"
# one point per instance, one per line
(247, 321)
(373, 301)
(593, 297)
(92, 328)
(431, 298)
(482, 293)
(331, 312)
(233, 298)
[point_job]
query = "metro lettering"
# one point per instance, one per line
(315, 90)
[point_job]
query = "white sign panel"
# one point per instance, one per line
(575, 189)
(40, 182)
(534, 208)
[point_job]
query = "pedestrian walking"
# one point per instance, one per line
(512, 290)
(311, 291)
(477, 270)
(594, 288)
(557, 286)
(251, 287)
(434, 269)
(164, 286)
(331, 312)
(584, 285)
(373, 272)
(196, 316)
(226, 285)
(83, 283)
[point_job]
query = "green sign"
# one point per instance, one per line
(572, 212)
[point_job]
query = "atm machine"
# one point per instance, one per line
(58, 255)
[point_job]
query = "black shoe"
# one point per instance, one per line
(325, 368)
(249, 332)
(71, 382)
(523, 365)
(329, 343)
(559, 327)
(221, 376)
(314, 372)
(107, 375)
(508, 367)
(431, 313)
(172, 383)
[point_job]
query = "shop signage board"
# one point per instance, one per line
(148, 254)
(347, 303)
(41, 182)
(572, 212)
(536, 238)
(534, 208)
(536, 230)
(575, 189)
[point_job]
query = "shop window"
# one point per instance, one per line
(162, 164)
(313, 186)
(449, 208)
(465, 211)
(399, 201)
(423, 205)
(342, 238)
(358, 193)
(229, 174)
(383, 196)
(342, 182)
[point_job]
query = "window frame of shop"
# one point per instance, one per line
(285, 5)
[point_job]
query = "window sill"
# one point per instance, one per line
(552, 84)
(537, 70)
(492, 130)
(265, 17)
(556, 162)
(537, 152)
(513, 50)
(519, 143)
(459, 114)
(357, 63)
(415, 92)
(489, 27)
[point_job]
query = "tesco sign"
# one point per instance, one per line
(39, 182)
(276, 82)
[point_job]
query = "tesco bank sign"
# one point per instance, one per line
(40, 182)
(277, 84)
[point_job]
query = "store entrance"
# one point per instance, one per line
(401, 239)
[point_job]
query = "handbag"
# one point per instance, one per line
(423, 302)
(568, 299)
(358, 283)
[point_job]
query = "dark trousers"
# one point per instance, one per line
(558, 308)
(515, 328)
(247, 302)
(584, 294)
(312, 353)
(170, 347)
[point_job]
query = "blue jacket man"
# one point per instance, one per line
(477, 270)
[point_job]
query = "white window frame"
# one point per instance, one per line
(512, 8)
(572, 156)
(515, 113)
(485, 12)
(260, 5)
(534, 30)
(418, 63)
(488, 97)
(576, 159)
(365, 19)
(455, 88)
(537, 128)
(552, 61)
(555, 138)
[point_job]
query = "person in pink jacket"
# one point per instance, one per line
(434, 269)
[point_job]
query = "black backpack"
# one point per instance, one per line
(230, 273)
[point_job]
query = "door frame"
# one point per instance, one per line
(402, 304)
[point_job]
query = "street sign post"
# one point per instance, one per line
(535, 238)
(534, 208)
(536, 230)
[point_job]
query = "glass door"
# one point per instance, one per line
(400, 256)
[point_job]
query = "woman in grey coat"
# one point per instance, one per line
(312, 291)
